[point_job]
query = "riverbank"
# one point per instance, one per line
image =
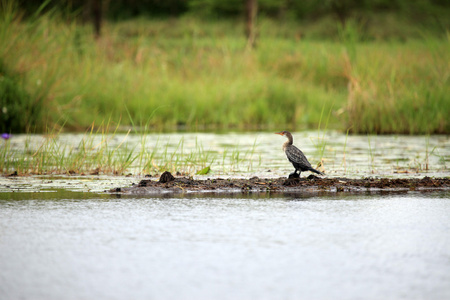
(195, 74)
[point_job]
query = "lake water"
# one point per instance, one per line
(74, 245)
(259, 153)
(62, 237)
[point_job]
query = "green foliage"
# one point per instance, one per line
(96, 154)
(22, 106)
(341, 10)
(406, 92)
(198, 74)
(19, 112)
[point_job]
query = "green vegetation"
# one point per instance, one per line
(198, 74)
(17, 110)
(97, 153)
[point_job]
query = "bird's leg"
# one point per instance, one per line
(294, 175)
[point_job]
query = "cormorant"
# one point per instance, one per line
(296, 156)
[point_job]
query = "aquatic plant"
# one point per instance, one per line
(96, 154)
(320, 142)
(371, 155)
(344, 151)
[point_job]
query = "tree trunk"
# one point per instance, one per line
(251, 10)
(96, 14)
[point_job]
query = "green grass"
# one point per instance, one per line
(95, 154)
(193, 74)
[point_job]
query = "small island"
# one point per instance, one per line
(167, 183)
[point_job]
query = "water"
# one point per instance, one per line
(77, 245)
(245, 155)
(259, 153)
(61, 237)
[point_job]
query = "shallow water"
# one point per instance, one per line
(259, 153)
(75, 245)
(249, 154)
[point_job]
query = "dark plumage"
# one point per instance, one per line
(296, 156)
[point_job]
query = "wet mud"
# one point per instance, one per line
(169, 184)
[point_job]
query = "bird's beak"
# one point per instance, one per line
(280, 133)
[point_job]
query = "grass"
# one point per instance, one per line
(103, 151)
(320, 142)
(371, 156)
(197, 74)
(344, 162)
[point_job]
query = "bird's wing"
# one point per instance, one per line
(295, 155)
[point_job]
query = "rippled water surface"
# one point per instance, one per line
(61, 237)
(74, 245)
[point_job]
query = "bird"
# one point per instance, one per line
(296, 156)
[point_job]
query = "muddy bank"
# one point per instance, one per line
(169, 184)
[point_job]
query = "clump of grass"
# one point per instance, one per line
(421, 163)
(239, 161)
(177, 159)
(320, 142)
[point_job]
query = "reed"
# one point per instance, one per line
(344, 162)
(405, 92)
(199, 74)
(371, 156)
(320, 142)
(96, 154)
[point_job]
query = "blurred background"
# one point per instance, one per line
(220, 65)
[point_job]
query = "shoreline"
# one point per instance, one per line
(167, 184)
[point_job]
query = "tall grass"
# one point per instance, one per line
(25, 95)
(198, 74)
(405, 92)
(96, 154)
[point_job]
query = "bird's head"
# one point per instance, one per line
(283, 133)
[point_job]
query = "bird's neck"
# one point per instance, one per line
(287, 143)
(290, 140)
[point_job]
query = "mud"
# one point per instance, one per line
(291, 185)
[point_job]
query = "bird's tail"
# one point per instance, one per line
(315, 171)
